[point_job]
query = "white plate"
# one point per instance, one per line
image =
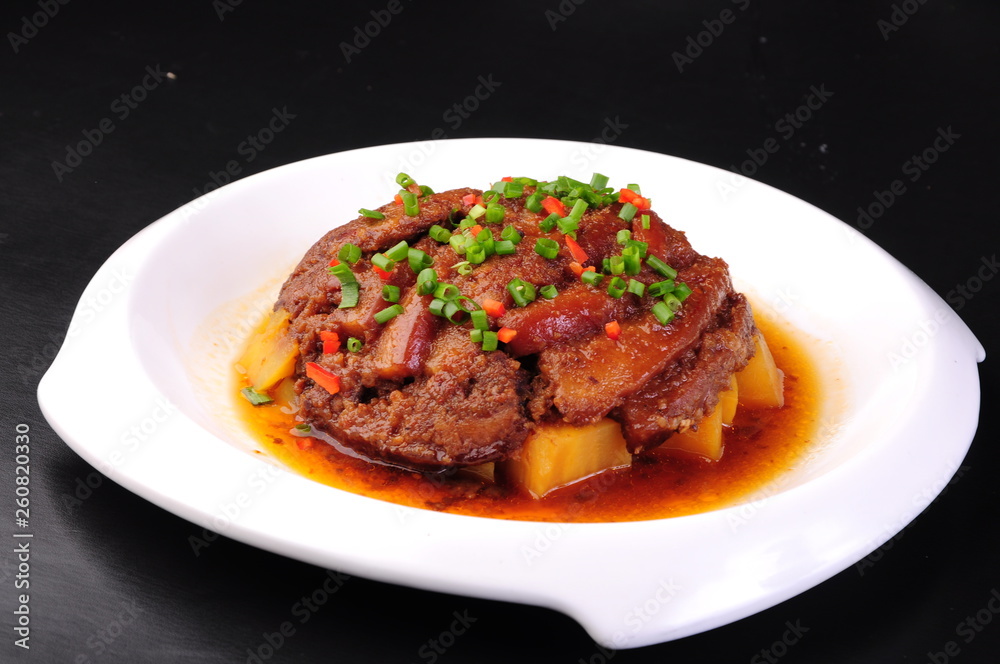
(156, 326)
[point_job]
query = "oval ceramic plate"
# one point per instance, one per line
(161, 320)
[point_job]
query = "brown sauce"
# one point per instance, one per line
(759, 447)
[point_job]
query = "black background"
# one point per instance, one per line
(894, 87)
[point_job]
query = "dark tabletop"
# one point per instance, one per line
(112, 116)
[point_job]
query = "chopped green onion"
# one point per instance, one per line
(534, 202)
(490, 341)
(568, 226)
(578, 209)
(485, 238)
(411, 207)
(304, 428)
(476, 211)
(454, 313)
(349, 253)
(599, 181)
(549, 292)
(439, 233)
(681, 291)
(643, 247)
(457, 243)
(398, 251)
(490, 195)
(426, 281)
(504, 248)
(645, 221)
(494, 213)
(468, 222)
(418, 259)
(350, 294)
(549, 222)
(255, 397)
(513, 190)
(661, 268)
(436, 306)
(475, 252)
(591, 278)
(616, 265)
(637, 288)
(633, 263)
(476, 336)
(388, 313)
(462, 268)
(523, 292)
(371, 214)
(480, 320)
(354, 344)
(635, 188)
(662, 312)
(425, 190)
(390, 293)
(383, 262)
(624, 235)
(546, 248)
(343, 273)
(627, 212)
(528, 182)
(616, 288)
(446, 292)
(671, 300)
(510, 233)
(404, 180)
(661, 288)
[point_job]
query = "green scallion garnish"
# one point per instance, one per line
(592, 278)
(411, 207)
(480, 320)
(568, 226)
(439, 233)
(371, 214)
(623, 236)
(427, 281)
(645, 221)
(510, 233)
(390, 293)
(522, 291)
(637, 288)
(494, 213)
(534, 202)
(661, 288)
(546, 248)
(671, 301)
(548, 292)
(549, 222)
(475, 252)
(504, 248)
(418, 259)
(476, 336)
(627, 212)
(255, 397)
(682, 290)
(354, 344)
(616, 288)
(383, 262)
(349, 253)
(660, 267)
(404, 180)
(398, 251)
(490, 340)
(446, 292)
(662, 312)
(476, 211)
(388, 313)
(598, 181)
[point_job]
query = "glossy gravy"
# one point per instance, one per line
(759, 447)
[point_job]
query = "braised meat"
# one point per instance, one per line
(421, 392)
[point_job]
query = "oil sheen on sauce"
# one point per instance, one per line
(759, 447)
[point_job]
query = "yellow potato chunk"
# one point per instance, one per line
(728, 400)
(270, 355)
(706, 441)
(558, 454)
(761, 383)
